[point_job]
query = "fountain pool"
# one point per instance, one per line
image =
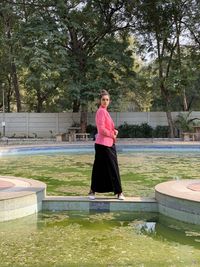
(77, 238)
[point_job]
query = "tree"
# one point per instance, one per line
(43, 63)
(82, 35)
(10, 50)
(67, 50)
(160, 25)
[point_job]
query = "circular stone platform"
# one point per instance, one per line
(5, 185)
(194, 187)
(20, 197)
(180, 200)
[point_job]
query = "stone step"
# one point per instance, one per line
(102, 203)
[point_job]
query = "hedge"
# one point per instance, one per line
(136, 131)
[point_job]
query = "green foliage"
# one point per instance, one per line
(92, 130)
(184, 122)
(126, 130)
(65, 52)
(161, 26)
(146, 130)
(135, 131)
(142, 131)
(161, 131)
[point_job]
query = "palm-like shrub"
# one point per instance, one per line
(184, 123)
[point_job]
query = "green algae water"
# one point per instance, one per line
(99, 239)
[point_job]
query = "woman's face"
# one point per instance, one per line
(105, 101)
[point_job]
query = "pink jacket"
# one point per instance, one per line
(105, 127)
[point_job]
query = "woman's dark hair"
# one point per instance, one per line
(102, 93)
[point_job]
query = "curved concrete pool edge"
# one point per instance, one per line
(20, 197)
(179, 200)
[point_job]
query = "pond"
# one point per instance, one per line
(99, 239)
(106, 239)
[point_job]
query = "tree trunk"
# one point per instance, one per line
(185, 104)
(9, 94)
(83, 119)
(39, 102)
(166, 101)
(16, 85)
(13, 71)
(178, 32)
(76, 106)
(170, 123)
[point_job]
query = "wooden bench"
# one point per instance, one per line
(60, 137)
(188, 136)
(71, 137)
(81, 136)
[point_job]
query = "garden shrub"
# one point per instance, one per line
(92, 130)
(135, 131)
(146, 130)
(161, 131)
(142, 131)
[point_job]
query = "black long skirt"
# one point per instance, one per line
(105, 172)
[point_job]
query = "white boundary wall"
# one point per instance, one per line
(48, 124)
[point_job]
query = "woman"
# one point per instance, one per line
(105, 173)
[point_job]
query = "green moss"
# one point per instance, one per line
(130, 176)
(71, 174)
(98, 239)
(63, 239)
